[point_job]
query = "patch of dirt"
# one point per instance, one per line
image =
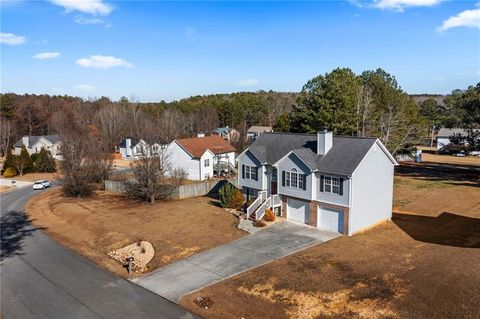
(4, 188)
(422, 264)
(97, 225)
(141, 251)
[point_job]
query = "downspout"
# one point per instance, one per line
(350, 201)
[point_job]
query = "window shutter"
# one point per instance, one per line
(243, 171)
(283, 178)
(321, 182)
(304, 178)
(341, 186)
(256, 173)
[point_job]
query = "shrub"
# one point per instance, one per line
(260, 223)
(269, 215)
(23, 162)
(9, 162)
(237, 200)
(10, 172)
(226, 195)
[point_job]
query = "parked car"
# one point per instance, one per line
(42, 184)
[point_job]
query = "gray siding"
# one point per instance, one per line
(247, 158)
(286, 164)
(372, 190)
(336, 199)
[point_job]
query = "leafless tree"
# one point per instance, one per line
(153, 178)
(6, 135)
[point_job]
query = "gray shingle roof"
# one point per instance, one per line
(447, 132)
(343, 158)
(32, 139)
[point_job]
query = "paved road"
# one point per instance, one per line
(201, 270)
(41, 279)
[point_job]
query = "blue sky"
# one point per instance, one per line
(156, 50)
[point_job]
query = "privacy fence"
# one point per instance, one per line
(209, 187)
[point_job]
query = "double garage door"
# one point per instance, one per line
(327, 218)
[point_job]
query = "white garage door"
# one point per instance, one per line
(297, 210)
(330, 219)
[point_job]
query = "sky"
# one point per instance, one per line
(156, 50)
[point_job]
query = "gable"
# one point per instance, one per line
(292, 160)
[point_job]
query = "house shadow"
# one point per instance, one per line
(468, 175)
(445, 229)
(15, 227)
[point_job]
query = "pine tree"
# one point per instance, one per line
(44, 162)
(23, 162)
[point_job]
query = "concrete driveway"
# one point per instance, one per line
(204, 269)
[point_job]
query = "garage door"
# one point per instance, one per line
(330, 219)
(297, 210)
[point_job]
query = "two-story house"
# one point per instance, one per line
(133, 148)
(343, 184)
(202, 157)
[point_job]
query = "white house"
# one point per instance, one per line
(34, 144)
(445, 134)
(132, 148)
(202, 157)
(343, 184)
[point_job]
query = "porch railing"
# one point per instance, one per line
(261, 210)
(262, 196)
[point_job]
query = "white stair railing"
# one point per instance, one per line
(262, 196)
(261, 210)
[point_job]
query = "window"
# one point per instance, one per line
(206, 162)
(332, 185)
(253, 172)
(294, 179)
(250, 172)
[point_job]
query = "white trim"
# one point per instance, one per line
(242, 153)
(292, 152)
(384, 149)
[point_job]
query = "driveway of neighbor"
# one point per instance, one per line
(204, 269)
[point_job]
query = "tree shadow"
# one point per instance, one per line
(15, 227)
(468, 175)
(445, 229)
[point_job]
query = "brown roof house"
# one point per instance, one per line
(202, 157)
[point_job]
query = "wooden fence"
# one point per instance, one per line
(183, 191)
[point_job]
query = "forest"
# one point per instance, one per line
(368, 104)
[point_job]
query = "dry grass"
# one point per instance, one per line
(32, 177)
(447, 159)
(104, 222)
(4, 188)
(423, 264)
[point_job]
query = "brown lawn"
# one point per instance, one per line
(97, 225)
(423, 264)
(32, 177)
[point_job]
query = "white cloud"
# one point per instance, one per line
(86, 20)
(467, 18)
(46, 55)
(248, 83)
(84, 87)
(87, 6)
(103, 62)
(396, 5)
(11, 39)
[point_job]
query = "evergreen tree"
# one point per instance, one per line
(23, 162)
(9, 162)
(45, 163)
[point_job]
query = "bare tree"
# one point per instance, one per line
(6, 135)
(154, 178)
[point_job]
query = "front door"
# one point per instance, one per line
(274, 188)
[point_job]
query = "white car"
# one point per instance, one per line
(41, 184)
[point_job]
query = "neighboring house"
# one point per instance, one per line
(343, 184)
(444, 135)
(133, 148)
(34, 144)
(202, 157)
(227, 133)
(255, 131)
